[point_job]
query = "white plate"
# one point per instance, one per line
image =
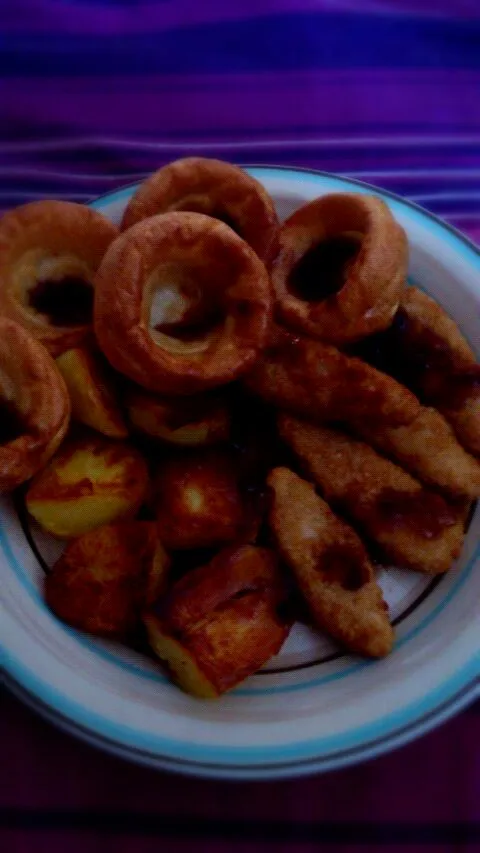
(312, 708)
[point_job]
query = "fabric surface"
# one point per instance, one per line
(98, 93)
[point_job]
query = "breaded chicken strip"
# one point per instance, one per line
(414, 527)
(318, 381)
(331, 566)
(428, 448)
(451, 379)
(425, 350)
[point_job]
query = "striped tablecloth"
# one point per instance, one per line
(97, 93)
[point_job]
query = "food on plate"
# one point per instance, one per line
(425, 349)
(212, 187)
(92, 391)
(341, 267)
(428, 449)
(182, 304)
(331, 566)
(106, 577)
(90, 482)
(314, 379)
(242, 356)
(201, 419)
(49, 254)
(34, 406)
(413, 526)
(221, 622)
(198, 500)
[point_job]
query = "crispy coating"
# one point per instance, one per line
(218, 189)
(106, 577)
(221, 622)
(414, 527)
(198, 500)
(91, 481)
(426, 351)
(428, 449)
(318, 381)
(360, 295)
(451, 379)
(330, 565)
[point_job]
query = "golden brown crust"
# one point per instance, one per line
(226, 618)
(425, 313)
(198, 500)
(91, 481)
(428, 448)
(218, 189)
(318, 381)
(49, 240)
(414, 527)
(32, 384)
(105, 577)
(330, 565)
(449, 377)
(374, 278)
(159, 252)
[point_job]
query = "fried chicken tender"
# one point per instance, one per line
(451, 379)
(413, 526)
(426, 351)
(427, 447)
(331, 566)
(318, 381)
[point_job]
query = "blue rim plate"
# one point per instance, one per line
(312, 708)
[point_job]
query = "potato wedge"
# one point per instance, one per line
(91, 391)
(88, 483)
(104, 578)
(221, 622)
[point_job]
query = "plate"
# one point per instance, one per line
(312, 708)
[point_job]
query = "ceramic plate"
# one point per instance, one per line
(312, 708)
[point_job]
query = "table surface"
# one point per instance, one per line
(98, 93)
(59, 794)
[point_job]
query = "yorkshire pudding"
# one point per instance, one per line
(49, 253)
(340, 270)
(217, 189)
(34, 405)
(182, 303)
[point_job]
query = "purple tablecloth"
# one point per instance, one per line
(97, 93)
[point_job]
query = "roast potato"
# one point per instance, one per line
(91, 391)
(221, 622)
(91, 481)
(198, 501)
(104, 578)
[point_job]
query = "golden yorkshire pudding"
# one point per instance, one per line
(340, 270)
(34, 405)
(49, 253)
(182, 303)
(212, 187)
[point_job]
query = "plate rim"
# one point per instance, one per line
(467, 688)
